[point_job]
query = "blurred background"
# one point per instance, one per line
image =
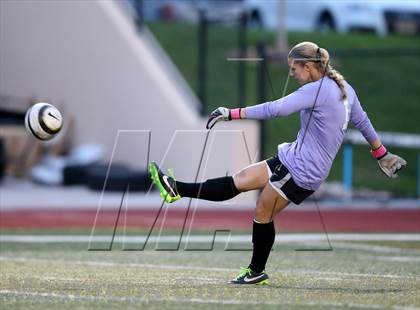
(136, 79)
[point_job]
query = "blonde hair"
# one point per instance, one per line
(310, 52)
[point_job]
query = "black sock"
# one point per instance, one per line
(263, 236)
(218, 189)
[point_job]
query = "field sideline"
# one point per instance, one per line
(361, 271)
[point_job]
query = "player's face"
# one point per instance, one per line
(301, 73)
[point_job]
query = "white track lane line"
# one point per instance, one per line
(280, 238)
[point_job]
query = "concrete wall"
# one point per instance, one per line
(87, 58)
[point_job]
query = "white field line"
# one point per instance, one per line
(310, 240)
(113, 264)
(72, 297)
(400, 259)
(319, 274)
(407, 259)
(329, 278)
(201, 279)
(373, 248)
(56, 278)
(280, 238)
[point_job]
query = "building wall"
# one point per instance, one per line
(88, 58)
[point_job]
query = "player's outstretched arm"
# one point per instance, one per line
(389, 163)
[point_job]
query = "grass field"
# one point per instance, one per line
(354, 275)
(387, 86)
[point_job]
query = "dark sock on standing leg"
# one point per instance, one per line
(263, 236)
(218, 189)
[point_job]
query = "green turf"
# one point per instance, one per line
(387, 86)
(67, 276)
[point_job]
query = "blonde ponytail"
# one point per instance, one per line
(339, 79)
(310, 52)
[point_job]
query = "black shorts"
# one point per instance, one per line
(282, 181)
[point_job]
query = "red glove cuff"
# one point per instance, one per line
(235, 113)
(379, 152)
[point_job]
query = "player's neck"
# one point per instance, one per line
(315, 75)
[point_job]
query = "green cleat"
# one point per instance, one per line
(165, 184)
(247, 276)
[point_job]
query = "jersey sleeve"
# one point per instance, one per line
(360, 120)
(302, 98)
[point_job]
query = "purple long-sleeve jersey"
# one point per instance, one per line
(310, 156)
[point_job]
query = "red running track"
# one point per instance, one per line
(386, 221)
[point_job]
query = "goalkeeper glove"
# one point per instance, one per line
(222, 114)
(389, 163)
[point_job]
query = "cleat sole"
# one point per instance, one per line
(263, 282)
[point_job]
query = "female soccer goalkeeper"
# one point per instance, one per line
(326, 103)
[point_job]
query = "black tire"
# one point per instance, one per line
(119, 178)
(2, 159)
(140, 181)
(76, 174)
(326, 23)
(255, 19)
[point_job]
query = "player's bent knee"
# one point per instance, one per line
(241, 176)
(246, 180)
(241, 180)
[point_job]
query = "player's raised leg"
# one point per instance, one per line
(252, 177)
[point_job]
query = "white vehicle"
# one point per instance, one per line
(379, 16)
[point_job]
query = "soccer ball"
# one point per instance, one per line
(43, 121)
